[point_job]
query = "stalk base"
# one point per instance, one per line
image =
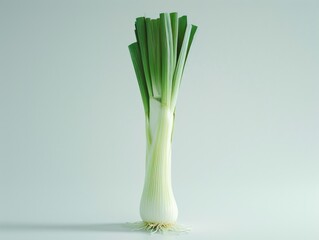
(159, 227)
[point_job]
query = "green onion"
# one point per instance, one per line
(159, 56)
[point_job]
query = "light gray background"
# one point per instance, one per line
(72, 143)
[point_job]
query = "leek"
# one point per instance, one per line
(159, 56)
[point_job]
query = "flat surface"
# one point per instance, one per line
(217, 230)
(246, 139)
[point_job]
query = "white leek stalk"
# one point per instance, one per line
(158, 203)
(159, 57)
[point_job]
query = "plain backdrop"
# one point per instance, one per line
(72, 141)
